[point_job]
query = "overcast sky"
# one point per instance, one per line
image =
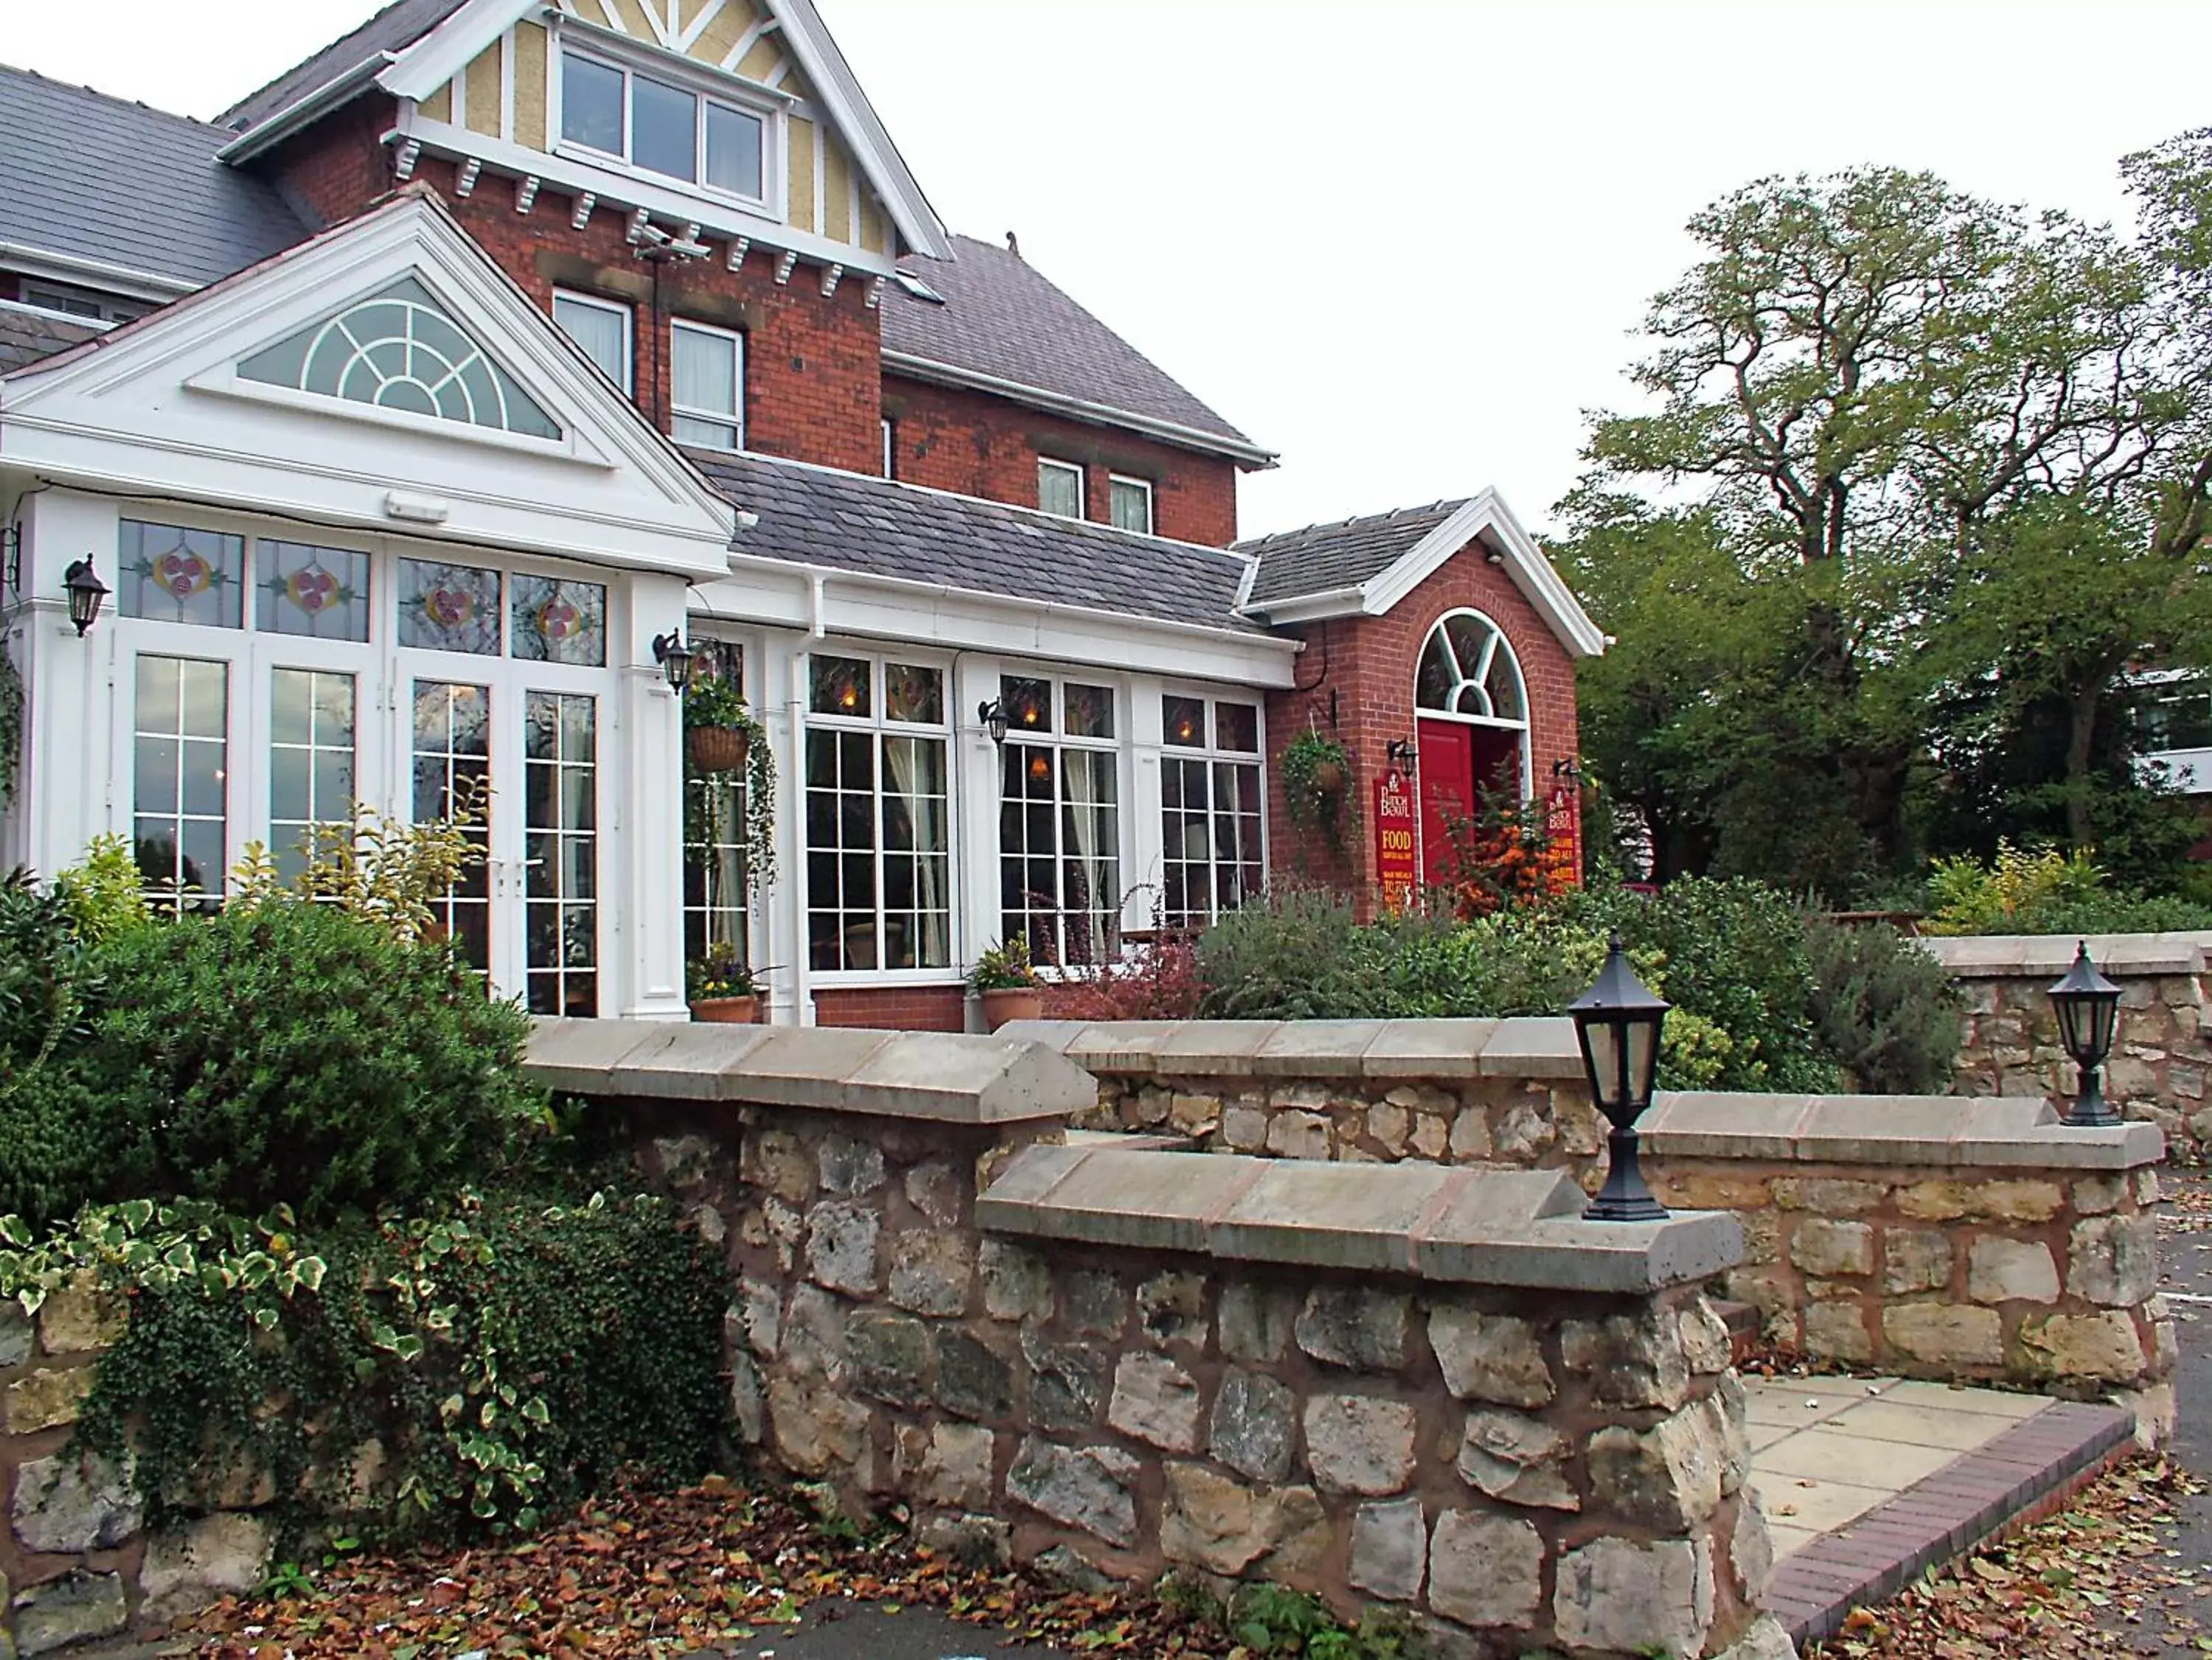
(1406, 243)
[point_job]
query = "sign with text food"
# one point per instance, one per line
(1562, 837)
(1397, 862)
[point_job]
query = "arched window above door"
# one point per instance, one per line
(1468, 670)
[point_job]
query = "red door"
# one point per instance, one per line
(1446, 775)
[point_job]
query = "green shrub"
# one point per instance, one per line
(2048, 892)
(1290, 955)
(491, 1363)
(284, 1054)
(1885, 1010)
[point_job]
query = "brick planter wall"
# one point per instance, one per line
(1429, 1389)
(2162, 1060)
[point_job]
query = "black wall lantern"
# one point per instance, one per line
(992, 713)
(2089, 1008)
(1617, 1024)
(674, 657)
(87, 593)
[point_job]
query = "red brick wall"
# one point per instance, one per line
(981, 446)
(894, 1008)
(813, 368)
(1368, 663)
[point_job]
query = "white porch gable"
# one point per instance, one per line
(515, 440)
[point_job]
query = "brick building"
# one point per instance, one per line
(413, 409)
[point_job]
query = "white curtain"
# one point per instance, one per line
(915, 769)
(1087, 786)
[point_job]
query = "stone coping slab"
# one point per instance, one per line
(941, 1077)
(1526, 1046)
(1992, 956)
(1514, 1227)
(2016, 1478)
(2010, 1132)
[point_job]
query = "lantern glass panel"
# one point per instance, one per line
(1601, 1048)
(1643, 1036)
(2073, 1024)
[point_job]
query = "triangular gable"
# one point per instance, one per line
(790, 28)
(1485, 516)
(254, 393)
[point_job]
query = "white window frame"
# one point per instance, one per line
(1082, 486)
(628, 378)
(55, 297)
(1059, 743)
(735, 417)
(1211, 754)
(764, 104)
(890, 447)
(1115, 481)
(879, 725)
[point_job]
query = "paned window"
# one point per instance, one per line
(453, 764)
(601, 327)
(878, 822)
(1059, 865)
(890, 448)
(316, 593)
(715, 886)
(400, 349)
(1212, 805)
(310, 760)
(709, 376)
(1131, 504)
(1059, 487)
(558, 621)
(180, 820)
(1467, 668)
(88, 302)
(171, 574)
(560, 794)
(448, 607)
(662, 127)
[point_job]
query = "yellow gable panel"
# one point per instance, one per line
(795, 83)
(759, 63)
(872, 236)
(530, 50)
(802, 174)
(486, 101)
(629, 17)
(724, 30)
(836, 191)
(439, 105)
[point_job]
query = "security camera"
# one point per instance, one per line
(653, 236)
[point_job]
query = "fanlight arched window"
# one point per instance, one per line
(1468, 670)
(399, 350)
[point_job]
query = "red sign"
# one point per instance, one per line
(1397, 864)
(1562, 837)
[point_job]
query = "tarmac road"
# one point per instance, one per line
(862, 1631)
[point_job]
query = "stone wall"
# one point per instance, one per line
(1435, 1390)
(1505, 1093)
(1928, 1237)
(76, 1562)
(2161, 1059)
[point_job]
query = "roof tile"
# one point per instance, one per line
(27, 335)
(400, 24)
(1323, 558)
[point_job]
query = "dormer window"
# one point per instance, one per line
(660, 127)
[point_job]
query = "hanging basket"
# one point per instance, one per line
(718, 748)
(1328, 778)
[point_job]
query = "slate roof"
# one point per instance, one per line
(400, 24)
(94, 178)
(1322, 557)
(848, 521)
(1002, 319)
(27, 335)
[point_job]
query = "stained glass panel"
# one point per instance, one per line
(840, 686)
(1090, 712)
(556, 620)
(321, 593)
(916, 694)
(1028, 703)
(171, 574)
(448, 607)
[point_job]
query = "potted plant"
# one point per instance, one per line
(722, 988)
(1315, 770)
(1007, 982)
(721, 735)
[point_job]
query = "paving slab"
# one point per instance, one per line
(1868, 1482)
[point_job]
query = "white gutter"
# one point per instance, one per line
(299, 113)
(46, 265)
(1168, 432)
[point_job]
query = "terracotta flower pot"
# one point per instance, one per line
(1012, 1003)
(726, 1011)
(718, 748)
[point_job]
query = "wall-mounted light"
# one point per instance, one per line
(1570, 770)
(87, 593)
(992, 713)
(1401, 754)
(674, 657)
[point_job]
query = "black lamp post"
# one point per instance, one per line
(1617, 1024)
(86, 594)
(675, 657)
(2089, 1008)
(992, 713)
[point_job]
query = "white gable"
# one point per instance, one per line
(300, 387)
